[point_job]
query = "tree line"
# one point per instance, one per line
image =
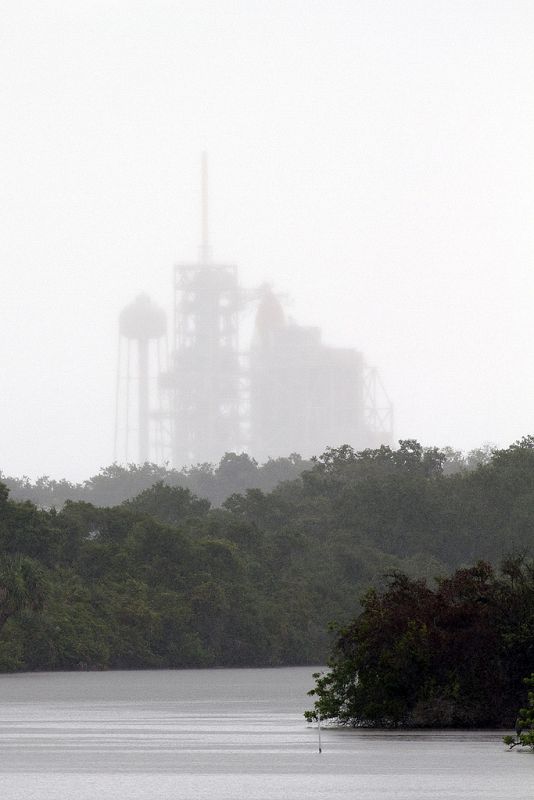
(235, 473)
(166, 578)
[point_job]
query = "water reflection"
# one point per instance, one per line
(225, 734)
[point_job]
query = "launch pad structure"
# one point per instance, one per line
(287, 393)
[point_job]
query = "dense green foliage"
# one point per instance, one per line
(449, 656)
(235, 474)
(163, 579)
(525, 722)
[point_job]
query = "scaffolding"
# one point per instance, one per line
(378, 409)
(205, 379)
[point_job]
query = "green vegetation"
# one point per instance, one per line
(452, 656)
(525, 722)
(162, 578)
(214, 482)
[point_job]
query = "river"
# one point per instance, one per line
(225, 735)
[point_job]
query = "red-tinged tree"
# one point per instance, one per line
(423, 657)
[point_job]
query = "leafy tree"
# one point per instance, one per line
(525, 722)
(427, 657)
(170, 504)
(22, 586)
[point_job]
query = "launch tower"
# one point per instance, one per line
(204, 376)
(293, 394)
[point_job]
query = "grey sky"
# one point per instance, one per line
(373, 159)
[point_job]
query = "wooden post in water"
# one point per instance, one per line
(319, 731)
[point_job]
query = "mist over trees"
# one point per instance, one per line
(165, 579)
(234, 474)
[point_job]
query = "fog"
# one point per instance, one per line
(373, 160)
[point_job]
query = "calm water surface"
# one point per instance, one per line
(227, 734)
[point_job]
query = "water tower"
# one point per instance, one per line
(142, 344)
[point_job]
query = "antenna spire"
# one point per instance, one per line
(205, 247)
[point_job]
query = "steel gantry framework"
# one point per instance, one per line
(289, 392)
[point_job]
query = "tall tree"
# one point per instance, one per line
(22, 586)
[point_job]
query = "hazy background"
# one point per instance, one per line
(373, 159)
